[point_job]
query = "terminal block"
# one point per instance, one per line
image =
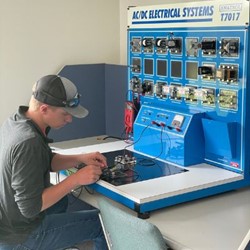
(191, 94)
(228, 73)
(121, 172)
(227, 99)
(208, 96)
(174, 45)
(124, 162)
(229, 47)
(207, 72)
(161, 45)
(208, 46)
(192, 47)
(160, 90)
(136, 45)
(135, 84)
(175, 91)
(147, 87)
(148, 45)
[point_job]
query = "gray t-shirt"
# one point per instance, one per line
(25, 163)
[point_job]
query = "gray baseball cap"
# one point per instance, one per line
(59, 91)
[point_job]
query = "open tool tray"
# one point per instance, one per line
(125, 167)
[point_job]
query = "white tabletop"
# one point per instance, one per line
(215, 223)
(197, 177)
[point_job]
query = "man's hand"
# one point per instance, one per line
(88, 175)
(60, 162)
(95, 158)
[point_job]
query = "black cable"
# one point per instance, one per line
(137, 174)
(155, 158)
(124, 133)
(76, 196)
(88, 190)
(114, 137)
(137, 139)
(161, 140)
(153, 161)
(146, 162)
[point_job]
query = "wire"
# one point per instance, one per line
(88, 190)
(76, 197)
(126, 136)
(132, 105)
(153, 161)
(146, 162)
(155, 158)
(110, 136)
(137, 139)
(161, 140)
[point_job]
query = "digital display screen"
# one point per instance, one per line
(192, 70)
(176, 69)
(162, 67)
(148, 66)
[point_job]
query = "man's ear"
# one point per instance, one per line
(44, 108)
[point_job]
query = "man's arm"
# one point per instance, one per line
(60, 162)
(89, 174)
(84, 176)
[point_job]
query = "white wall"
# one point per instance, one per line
(39, 37)
(124, 4)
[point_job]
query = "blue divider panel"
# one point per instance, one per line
(103, 89)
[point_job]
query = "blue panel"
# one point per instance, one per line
(116, 94)
(220, 137)
(170, 134)
(88, 78)
(100, 86)
(166, 79)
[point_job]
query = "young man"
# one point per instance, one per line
(33, 212)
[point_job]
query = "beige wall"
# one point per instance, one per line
(39, 37)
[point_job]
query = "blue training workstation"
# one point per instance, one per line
(188, 103)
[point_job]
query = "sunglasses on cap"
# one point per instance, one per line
(73, 102)
(51, 100)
